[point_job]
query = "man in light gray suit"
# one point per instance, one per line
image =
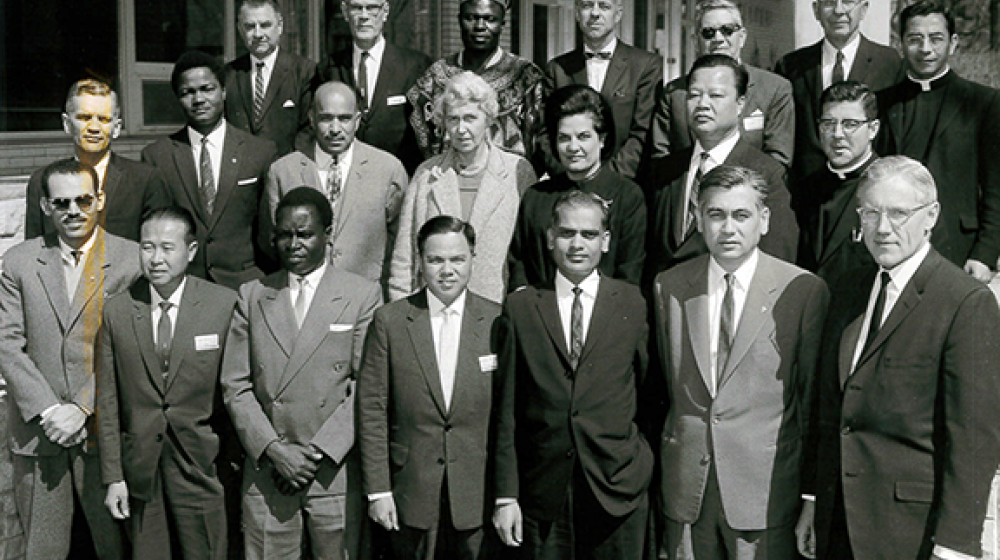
(288, 376)
(364, 185)
(52, 292)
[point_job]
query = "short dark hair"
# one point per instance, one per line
(722, 60)
(849, 92)
(576, 198)
(196, 59)
(70, 166)
(578, 99)
(732, 176)
(442, 224)
(175, 213)
(925, 8)
(504, 5)
(306, 196)
(258, 4)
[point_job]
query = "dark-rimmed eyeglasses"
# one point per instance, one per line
(871, 217)
(850, 126)
(847, 4)
(360, 9)
(84, 202)
(708, 33)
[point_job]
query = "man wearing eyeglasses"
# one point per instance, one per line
(382, 73)
(951, 124)
(908, 435)
(767, 121)
(843, 53)
(52, 292)
(629, 78)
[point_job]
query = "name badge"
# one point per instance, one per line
(395, 100)
(754, 122)
(341, 327)
(488, 363)
(206, 342)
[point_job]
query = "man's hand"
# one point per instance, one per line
(296, 463)
(507, 520)
(116, 500)
(978, 270)
(383, 512)
(805, 531)
(62, 426)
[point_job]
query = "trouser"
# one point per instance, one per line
(441, 540)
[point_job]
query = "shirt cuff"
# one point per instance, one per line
(949, 554)
(506, 501)
(378, 496)
(809, 497)
(45, 413)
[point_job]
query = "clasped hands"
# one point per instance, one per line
(64, 425)
(295, 465)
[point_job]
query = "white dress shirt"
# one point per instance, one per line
(101, 168)
(323, 161)
(312, 282)
(73, 270)
(268, 70)
(597, 68)
(447, 354)
(564, 299)
(716, 157)
(373, 64)
(216, 139)
(829, 57)
(716, 294)
(156, 311)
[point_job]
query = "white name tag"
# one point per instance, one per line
(341, 327)
(754, 122)
(249, 181)
(206, 342)
(488, 363)
(289, 103)
(395, 100)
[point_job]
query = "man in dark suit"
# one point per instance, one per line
(951, 124)
(52, 291)
(629, 78)
(216, 172)
(909, 430)
(270, 88)
(830, 241)
(843, 53)
(159, 398)
(739, 382)
(717, 86)
(389, 72)
(572, 469)
(288, 373)
(426, 394)
(93, 119)
(767, 121)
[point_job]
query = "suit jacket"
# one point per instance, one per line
(281, 382)
(876, 65)
(287, 100)
(130, 190)
(366, 216)
(550, 413)
(755, 427)
(138, 405)
(767, 123)
(227, 254)
(912, 433)
(666, 185)
(962, 157)
(47, 340)
(631, 86)
(406, 427)
(386, 123)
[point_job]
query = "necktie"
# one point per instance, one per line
(692, 214)
(300, 302)
(598, 55)
(207, 188)
(164, 330)
(448, 353)
(363, 78)
(838, 68)
(258, 92)
(576, 329)
(726, 316)
(76, 254)
(876, 320)
(333, 183)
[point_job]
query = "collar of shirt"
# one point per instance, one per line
(375, 54)
(589, 285)
(313, 279)
(268, 61)
(716, 157)
(743, 275)
(174, 299)
(492, 61)
(215, 138)
(843, 173)
(927, 85)
(610, 48)
(829, 56)
(717, 293)
(436, 307)
(323, 161)
(564, 302)
(66, 252)
(101, 168)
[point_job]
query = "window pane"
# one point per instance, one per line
(48, 45)
(165, 29)
(159, 104)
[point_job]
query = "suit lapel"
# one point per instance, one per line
(862, 62)
(813, 74)
(467, 366)
(491, 194)
(112, 177)
(604, 311)
(908, 300)
(244, 91)
(276, 308)
(142, 326)
(848, 343)
(617, 70)
(548, 311)
(756, 312)
(232, 146)
(384, 79)
(182, 344)
(54, 281)
(696, 313)
(576, 67)
(275, 83)
(951, 106)
(186, 169)
(91, 280)
(419, 329)
(352, 190)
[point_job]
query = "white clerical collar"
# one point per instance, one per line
(494, 60)
(927, 85)
(842, 173)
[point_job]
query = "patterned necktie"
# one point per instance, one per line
(207, 188)
(692, 213)
(726, 330)
(838, 69)
(258, 92)
(576, 329)
(333, 183)
(300, 307)
(164, 333)
(876, 320)
(448, 354)
(363, 78)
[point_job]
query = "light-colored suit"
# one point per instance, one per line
(366, 216)
(47, 357)
(295, 385)
(753, 431)
(435, 191)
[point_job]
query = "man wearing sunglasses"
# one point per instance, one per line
(768, 118)
(52, 292)
(908, 435)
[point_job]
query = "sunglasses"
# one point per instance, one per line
(84, 202)
(708, 33)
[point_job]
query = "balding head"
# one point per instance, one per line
(335, 117)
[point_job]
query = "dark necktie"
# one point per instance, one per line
(363, 78)
(258, 92)
(692, 214)
(597, 55)
(876, 321)
(76, 254)
(207, 188)
(576, 329)
(838, 68)
(726, 330)
(163, 335)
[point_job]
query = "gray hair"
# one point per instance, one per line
(706, 6)
(466, 87)
(908, 169)
(96, 88)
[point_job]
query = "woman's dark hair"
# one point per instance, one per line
(580, 100)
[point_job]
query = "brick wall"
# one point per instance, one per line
(24, 157)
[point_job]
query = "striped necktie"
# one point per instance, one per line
(258, 91)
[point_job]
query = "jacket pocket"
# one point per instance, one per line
(914, 491)
(398, 453)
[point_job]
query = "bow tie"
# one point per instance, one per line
(597, 55)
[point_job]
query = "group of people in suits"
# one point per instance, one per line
(615, 361)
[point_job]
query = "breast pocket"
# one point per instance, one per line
(908, 384)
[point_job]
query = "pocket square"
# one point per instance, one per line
(249, 181)
(341, 327)
(395, 100)
(288, 103)
(754, 122)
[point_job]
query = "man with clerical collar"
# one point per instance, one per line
(520, 84)
(950, 124)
